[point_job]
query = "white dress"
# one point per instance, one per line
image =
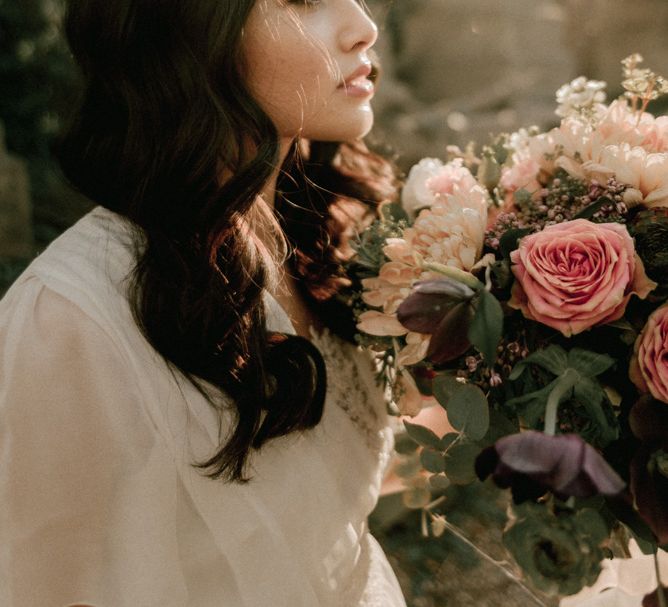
(99, 502)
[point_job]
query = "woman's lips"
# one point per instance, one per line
(360, 87)
(358, 83)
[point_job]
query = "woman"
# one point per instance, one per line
(165, 437)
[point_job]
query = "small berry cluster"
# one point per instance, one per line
(508, 354)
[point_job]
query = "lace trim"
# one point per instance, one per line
(351, 386)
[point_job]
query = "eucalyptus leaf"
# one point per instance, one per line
(439, 482)
(468, 411)
(487, 326)
(408, 466)
(589, 363)
(448, 439)
(443, 387)
(416, 497)
(460, 463)
(405, 445)
(422, 435)
(432, 461)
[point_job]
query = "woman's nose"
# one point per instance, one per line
(360, 31)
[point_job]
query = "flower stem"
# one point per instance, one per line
(458, 533)
(661, 593)
(456, 274)
(568, 379)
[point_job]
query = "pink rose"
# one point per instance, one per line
(649, 364)
(574, 275)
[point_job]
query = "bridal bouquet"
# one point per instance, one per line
(524, 289)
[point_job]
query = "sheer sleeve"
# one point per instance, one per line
(82, 472)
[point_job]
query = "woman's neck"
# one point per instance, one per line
(268, 193)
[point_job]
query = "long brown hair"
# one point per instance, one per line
(164, 107)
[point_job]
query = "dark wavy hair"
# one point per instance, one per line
(164, 109)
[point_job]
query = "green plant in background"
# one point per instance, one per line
(38, 84)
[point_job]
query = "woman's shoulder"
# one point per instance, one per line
(86, 270)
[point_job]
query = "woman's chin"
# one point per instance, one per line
(346, 128)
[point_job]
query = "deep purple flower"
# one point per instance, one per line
(649, 467)
(531, 463)
(442, 309)
(652, 599)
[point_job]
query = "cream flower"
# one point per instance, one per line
(415, 350)
(580, 94)
(646, 172)
(450, 236)
(416, 194)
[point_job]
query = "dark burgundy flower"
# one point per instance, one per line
(531, 463)
(442, 309)
(652, 599)
(649, 486)
(649, 421)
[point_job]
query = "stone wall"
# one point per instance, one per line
(456, 70)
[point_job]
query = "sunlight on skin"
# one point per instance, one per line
(297, 57)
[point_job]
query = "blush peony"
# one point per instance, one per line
(649, 364)
(575, 275)
(430, 182)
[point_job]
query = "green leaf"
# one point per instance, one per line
(422, 436)
(444, 386)
(590, 523)
(499, 426)
(394, 212)
(460, 463)
(468, 411)
(487, 326)
(502, 274)
(553, 359)
(432, 461)
(591, 395)
(531, 406)
(589, 363)
(589, 211)
(408, 466)
(510, 240)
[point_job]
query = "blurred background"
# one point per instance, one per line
(453, 71)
